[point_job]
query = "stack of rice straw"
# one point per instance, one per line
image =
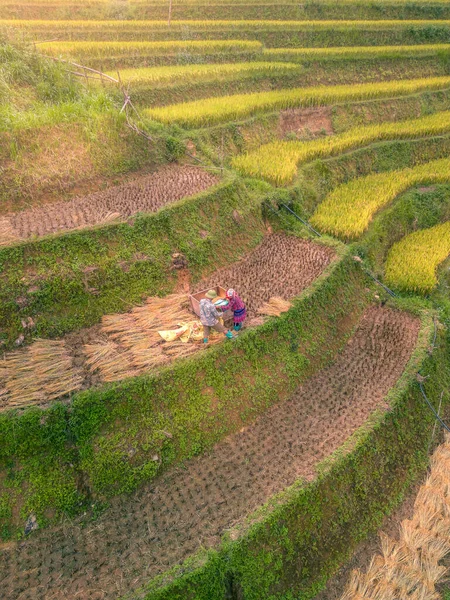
(274, 307)
(409, 568)
(131, 343)
(42, 372)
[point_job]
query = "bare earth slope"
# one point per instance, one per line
(165, 522)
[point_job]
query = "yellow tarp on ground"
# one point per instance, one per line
(186, 331)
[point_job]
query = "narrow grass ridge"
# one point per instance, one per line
(347, 211)
(226, 108)
(412, 262)
(277, 162)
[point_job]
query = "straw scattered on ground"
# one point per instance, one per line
(274, 307)
(43, 371)
(409, 567)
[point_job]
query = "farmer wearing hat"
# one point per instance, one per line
(209, 316)
(238, 308)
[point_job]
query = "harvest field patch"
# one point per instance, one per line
(146, 194)
(191, 507)
(126, 345)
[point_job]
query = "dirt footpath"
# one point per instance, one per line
(146, 194)
(188, 508)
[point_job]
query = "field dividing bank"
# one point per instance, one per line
(126, 345)
(191, 508)
(225, 108)
(348, 210)
(355, 52)
(277, 162)
(412, 262)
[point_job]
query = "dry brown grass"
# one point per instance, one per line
(7, 234)
(409, 568)
(42, 372)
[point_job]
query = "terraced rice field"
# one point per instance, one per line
(216, 110)
(147, 194)
(349, 209)
(190, 508)
(239, 110)
(412, 263)
(128, 345)
(282, 169)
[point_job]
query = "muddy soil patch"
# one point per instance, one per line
(165, 522)
(307, 122)
(146, 194)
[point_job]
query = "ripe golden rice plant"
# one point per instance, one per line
(215, 110)
(409, 568)
(87, 25)
(277, 162)
(106, 358)
(354, 52)
(86, 50)
(412, 262)
(347, 211)
(203, 72)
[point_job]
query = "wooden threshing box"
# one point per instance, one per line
(195, 301)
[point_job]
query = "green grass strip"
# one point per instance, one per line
(412, 262)
(277, 162)
(347, 211)
(225, 108)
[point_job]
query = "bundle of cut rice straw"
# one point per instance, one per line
(274, 307)
(105, 356)
(133, 343)
(42, 372)
(409, 568)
